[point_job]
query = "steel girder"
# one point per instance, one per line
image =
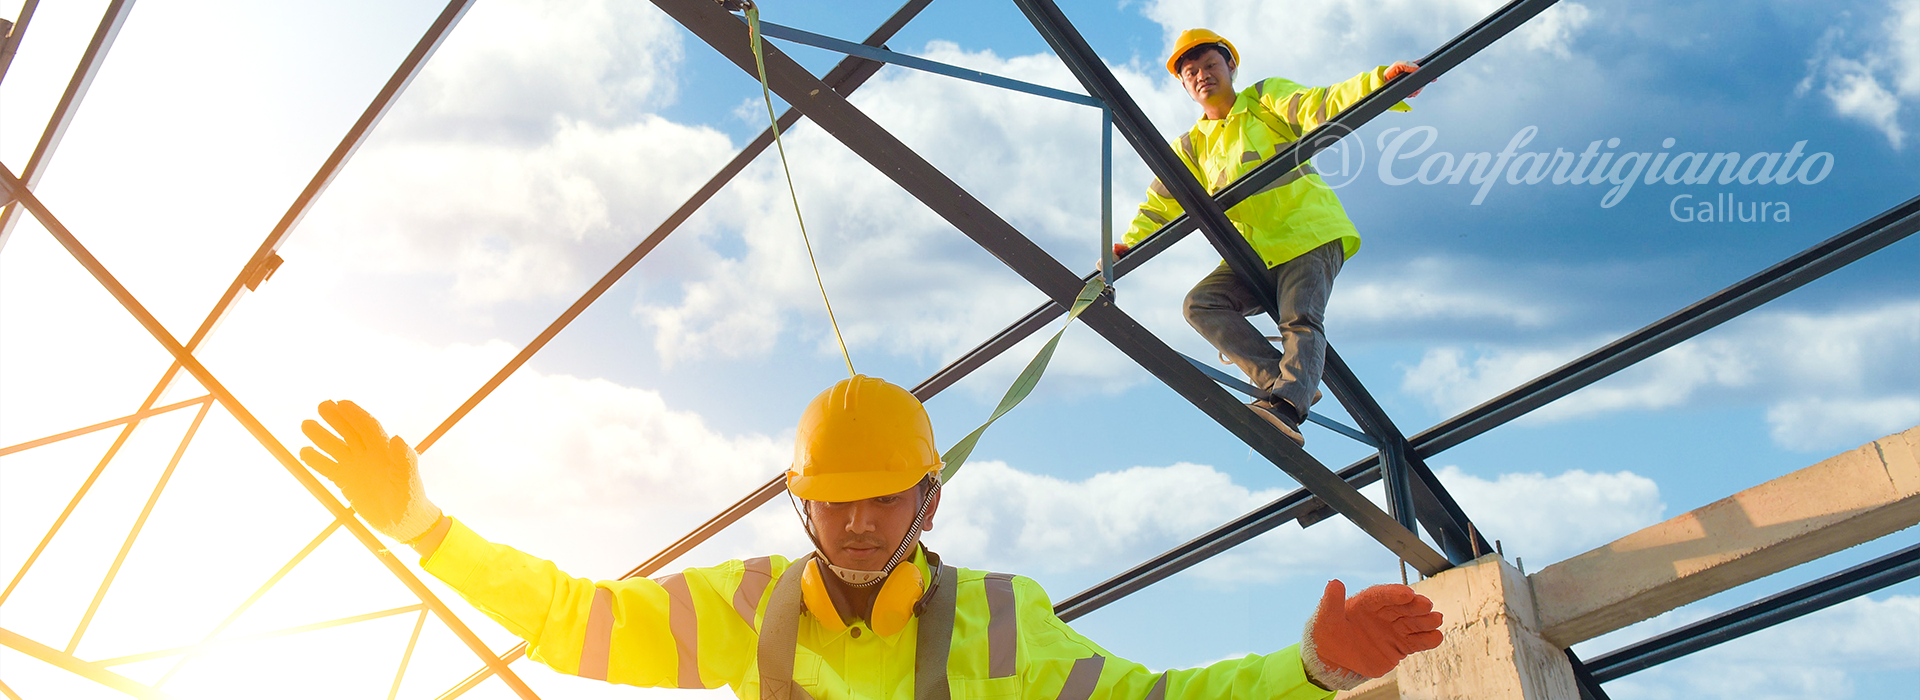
(184, 357)
(258, 267)
(69, 105)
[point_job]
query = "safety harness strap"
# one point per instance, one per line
(935, 638)
(780, 634)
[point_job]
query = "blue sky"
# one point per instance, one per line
(545, 139)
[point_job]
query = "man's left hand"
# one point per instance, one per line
(1400, 68)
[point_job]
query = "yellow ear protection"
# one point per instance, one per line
(899, 598)
(901, 594)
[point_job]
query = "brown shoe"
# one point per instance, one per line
(1280, 414)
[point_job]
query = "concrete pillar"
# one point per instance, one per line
(1493, 648)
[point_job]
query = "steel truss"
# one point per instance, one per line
(1415, 497)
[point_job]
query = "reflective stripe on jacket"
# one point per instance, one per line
(698, 629)
(1299, 212)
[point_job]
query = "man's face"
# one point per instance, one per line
(863, 534)
(1206, 77)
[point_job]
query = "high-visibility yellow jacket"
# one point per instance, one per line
(699, 629)
(1296, 214)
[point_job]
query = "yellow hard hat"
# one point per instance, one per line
(861, 439)
(1196, 37)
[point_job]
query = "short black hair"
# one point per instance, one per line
(1196, 52)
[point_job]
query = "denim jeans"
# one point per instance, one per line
(1218, 306)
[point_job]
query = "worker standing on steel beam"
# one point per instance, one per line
(870, 613)
(1296, 224)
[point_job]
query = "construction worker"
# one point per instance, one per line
(870, 613)
(1296, 224)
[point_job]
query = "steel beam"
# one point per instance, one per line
(66, 662)
(1583, 677)
(251, 273)
(873, 53)
(1412, 489)
(77, 432)
(912, 173)
(11, 33)
(1747, 619)
(181, 356)
(83, 74)
(847, 76)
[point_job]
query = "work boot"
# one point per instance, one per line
(1280, 414)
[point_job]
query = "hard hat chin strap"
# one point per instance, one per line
(861, 578)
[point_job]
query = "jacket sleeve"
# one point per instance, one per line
(1160, 206)
(1061, 664)
(1304, 108)
(682, 630)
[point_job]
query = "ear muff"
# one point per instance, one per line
(813, 592)
(892, 607)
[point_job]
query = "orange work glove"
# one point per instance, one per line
(1400, 68)
(379, 475)
(1350, 640)
(1120, 249)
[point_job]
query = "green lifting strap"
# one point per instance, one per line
(780, 634)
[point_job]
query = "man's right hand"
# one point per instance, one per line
(380, 475)
(1400, 68)
(1119, 249)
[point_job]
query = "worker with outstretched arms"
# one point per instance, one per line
(871, 613)
(1296, 224)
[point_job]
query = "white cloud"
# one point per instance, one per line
(1836, 380)
(512, 69)
(1904, 27)
(1873, 81)
(1811, 425)
(507, 221)
(1554, 30)
(1550, 518)
(1855, 93)
(1433, 289)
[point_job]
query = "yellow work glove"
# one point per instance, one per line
(379, 474)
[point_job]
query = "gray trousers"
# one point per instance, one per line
(1218, 306)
